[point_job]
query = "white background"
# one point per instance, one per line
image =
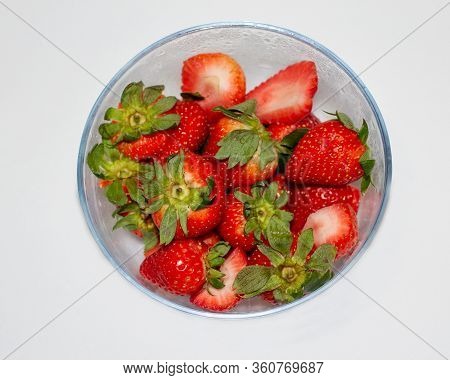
(49, 259)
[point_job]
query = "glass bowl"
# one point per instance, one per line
(261, 50)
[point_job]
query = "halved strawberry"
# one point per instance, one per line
(287, 96)
(214, 299)
(336, 225)
(217, 77)
(304, 201)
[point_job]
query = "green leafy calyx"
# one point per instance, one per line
(106, 162)
(131, 217)
(265, 216)
(214, 259)
(251, 141)
(290, 276)
(172, 193)
(142, 111)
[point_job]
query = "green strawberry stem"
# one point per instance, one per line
(106, 162)
(288, 277)
(131, 218)
(142, 111)
(265, 217)
(253, 140)
(171, 193)
(214, 259)
(366, 161)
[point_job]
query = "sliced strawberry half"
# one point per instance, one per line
(225, 298)
(217, 77)
(287, 96)
(336, 225)
(304, 201)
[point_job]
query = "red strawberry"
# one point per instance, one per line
(233, 223)
(187, 197)
(215, 76)
(303, 202)
(214, 299)
(256, 214)
(336, 225)
(145, 147)
(244, 147)
(189, 134)
(257, 258)
(331, 154)
(178, 267)
(281, 180)
(246, 175)
(280, 131)
(287, 96)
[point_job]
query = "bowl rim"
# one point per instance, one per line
(219, 25)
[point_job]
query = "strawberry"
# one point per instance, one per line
(193, 129)
(222, 298)
(232, 226)
(287, 96)
(336, 225)
(147, 124)
(217, 77)
(141, 112)
(332, 154)
(178, 267)
(190, 134)
(280, 131)
(246, 150)
(287, 274)
(256, 214)
(303, 202)
(148, 146)
(186, 197)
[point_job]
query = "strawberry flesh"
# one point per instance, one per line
(287, 96)
(303, 202)
(336, 225)
(223, 299)
(217, 77)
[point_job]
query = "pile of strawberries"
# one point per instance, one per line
(235, 194)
